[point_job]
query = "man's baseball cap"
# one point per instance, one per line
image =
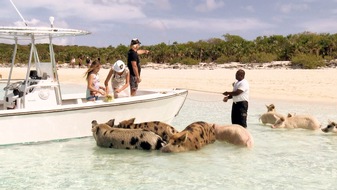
(135, 41)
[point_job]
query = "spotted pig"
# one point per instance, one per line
(165, 131)
(193, 137)
(109, 137)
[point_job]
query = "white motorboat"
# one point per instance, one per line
(33, 109)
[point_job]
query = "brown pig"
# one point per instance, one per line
(193, 137)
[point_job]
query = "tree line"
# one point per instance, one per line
(307, 50)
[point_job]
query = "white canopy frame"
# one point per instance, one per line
(32, 34)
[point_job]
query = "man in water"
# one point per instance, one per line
(240, 96)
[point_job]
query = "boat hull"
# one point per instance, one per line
(74, 121)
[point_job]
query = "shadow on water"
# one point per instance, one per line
(280, 159)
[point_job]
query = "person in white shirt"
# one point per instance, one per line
(240, 96)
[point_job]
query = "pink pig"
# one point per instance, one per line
(298, 121)
(234, 134)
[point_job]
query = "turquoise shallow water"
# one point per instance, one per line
(280, 159)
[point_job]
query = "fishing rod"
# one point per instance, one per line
(19, 13)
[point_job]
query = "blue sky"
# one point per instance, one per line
(114, 22)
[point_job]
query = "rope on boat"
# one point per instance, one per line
(204, 100)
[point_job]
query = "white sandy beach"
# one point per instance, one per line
(281, 84)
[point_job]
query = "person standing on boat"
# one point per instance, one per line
(93, 87)
(240, 96)
(134, 64)
(120, 79)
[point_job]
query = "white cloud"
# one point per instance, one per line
(217, 24)
(172, 19)
(88, 10)
(209, 5)
(33, 22)
(162, 4)
(157, 24)
(287, 8)
(320, 26)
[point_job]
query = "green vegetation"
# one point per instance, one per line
(307, 61)
(305, 50)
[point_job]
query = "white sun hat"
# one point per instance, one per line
(119, 66)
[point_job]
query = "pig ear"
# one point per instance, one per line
(111, 122)
(289, 115)
(282, 118)
(127, 122)
(94, 128)
(214, 126)
(130, 121)
(93, 123)
(182, 138)
(333, 123)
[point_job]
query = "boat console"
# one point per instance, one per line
(39, 91)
